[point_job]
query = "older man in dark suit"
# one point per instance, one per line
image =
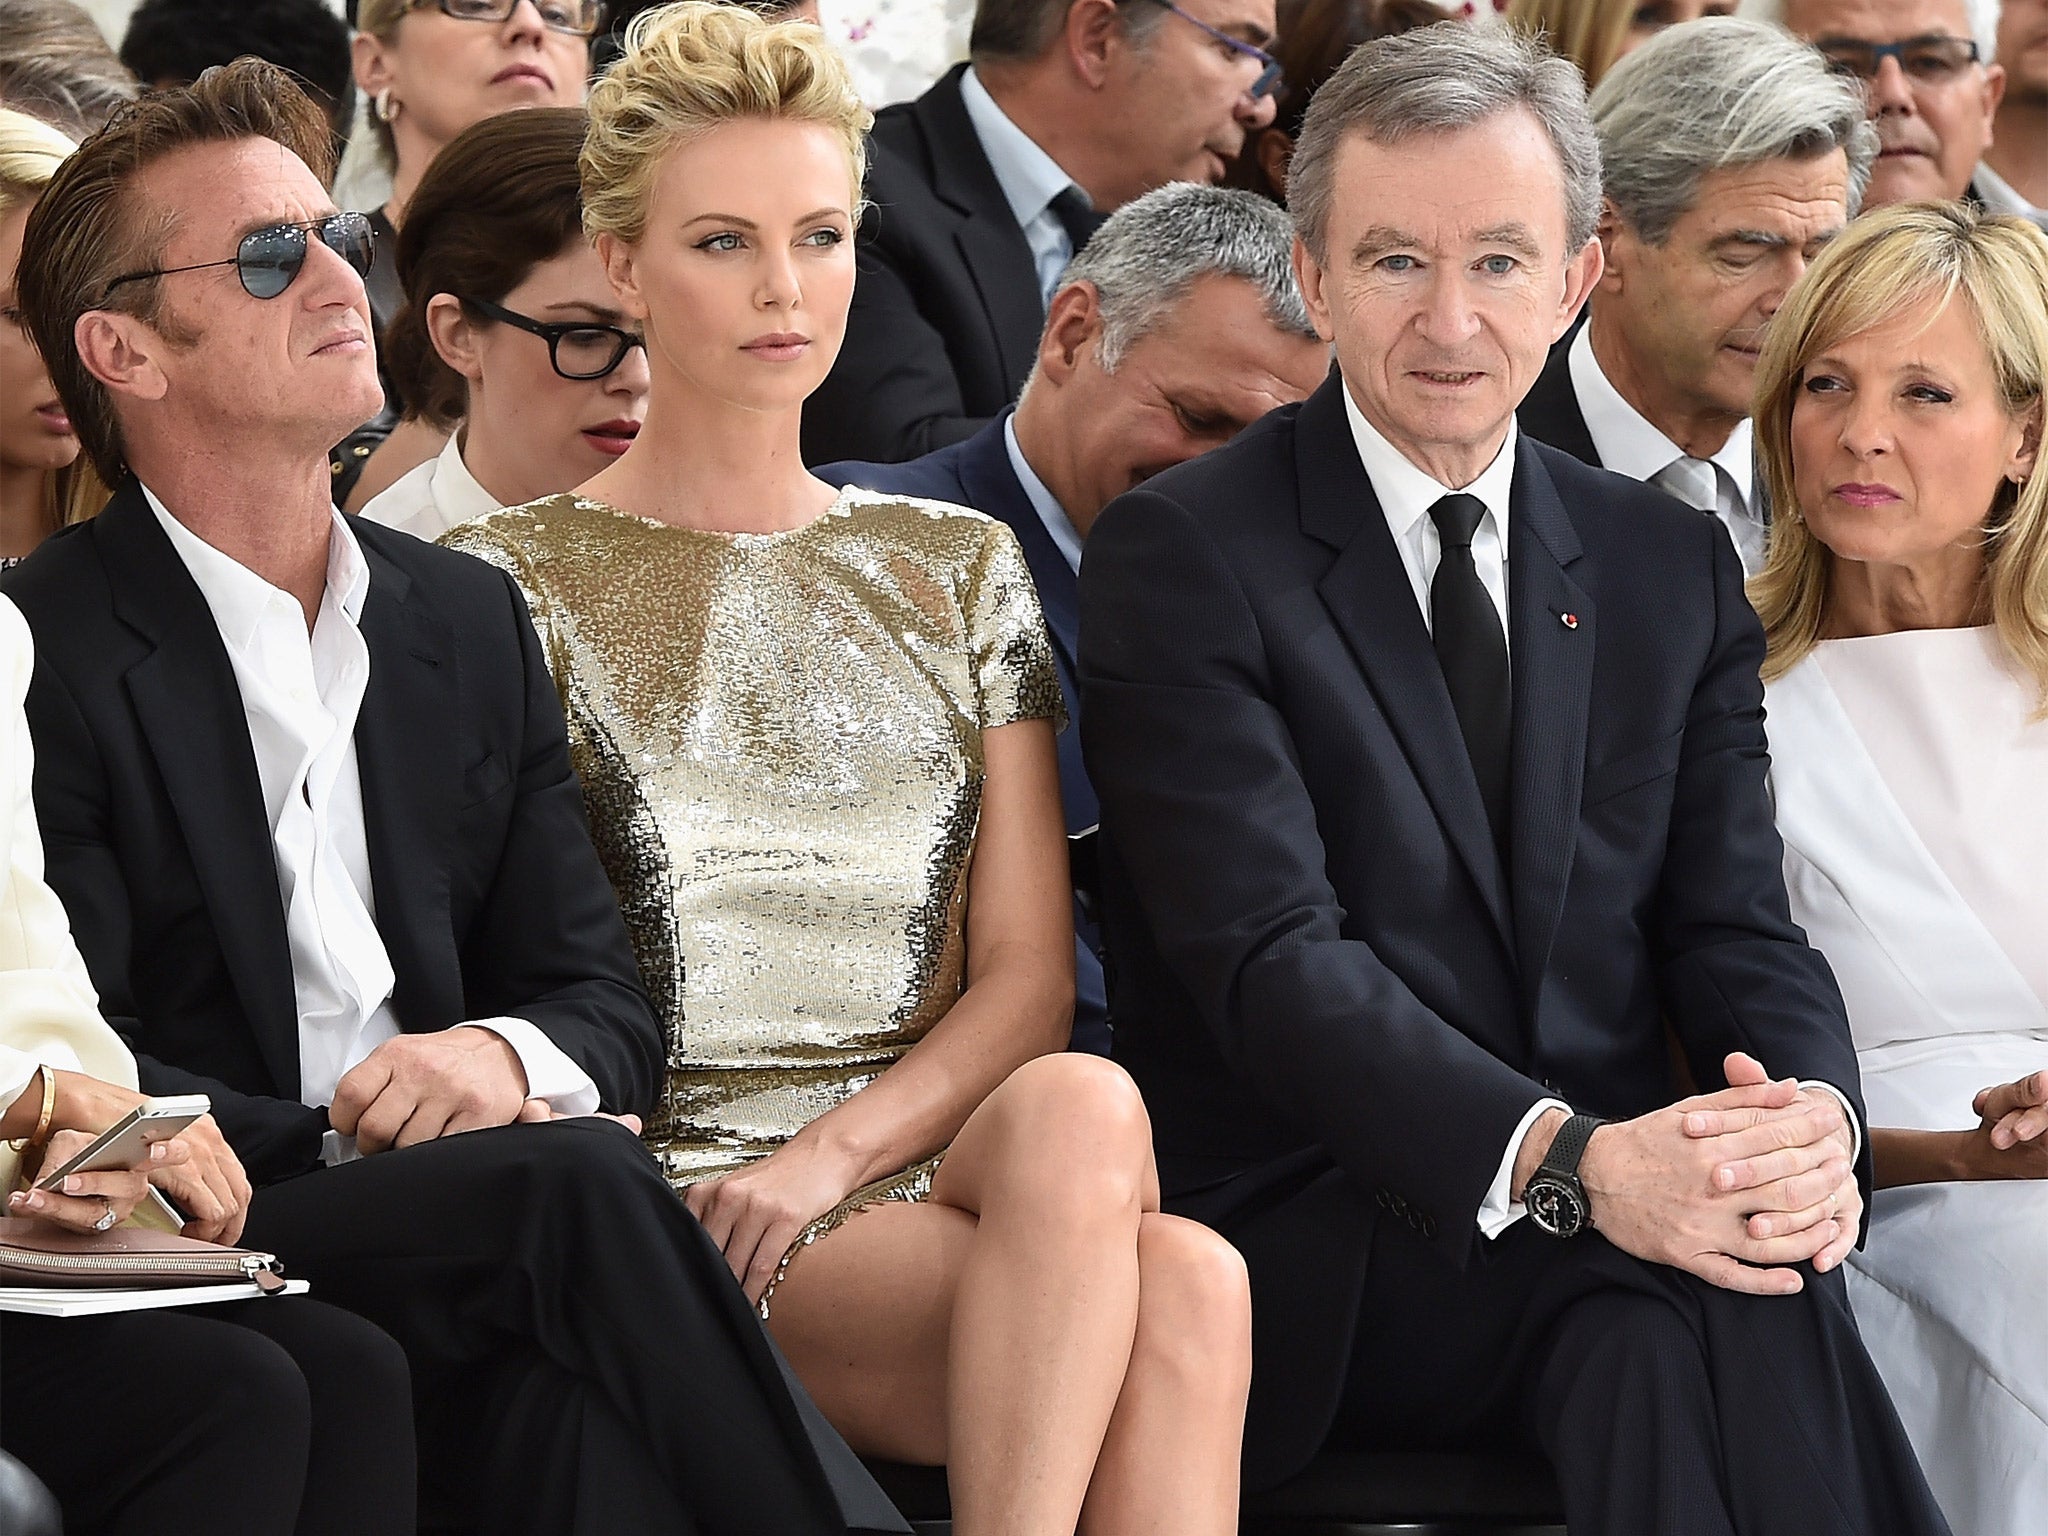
(982, 190)
(1431, 765)
(1178, 327)
(305, 790)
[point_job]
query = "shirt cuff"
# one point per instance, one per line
(551, 1073)
(1848, 1111)
(1497, 1212)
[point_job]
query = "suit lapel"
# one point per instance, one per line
(411, 773)
(1551, 412)
(994, 249)
(190, 709)
(1555, 629)
(1368, 595)
(991, 484)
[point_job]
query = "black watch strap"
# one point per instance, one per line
(1569, 1145)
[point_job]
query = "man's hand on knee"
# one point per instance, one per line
(1654, 1193)
(414, 1088)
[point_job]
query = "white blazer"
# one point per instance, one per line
(48, 1009)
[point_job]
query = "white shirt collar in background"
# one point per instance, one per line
(430, 498)
(1029, 177)
(1042, 500)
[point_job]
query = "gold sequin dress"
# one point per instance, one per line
(779, 737)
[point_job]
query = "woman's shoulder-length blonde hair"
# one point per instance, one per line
(1890, 263)
(30, 152)
(695, 66)
(1588, 32)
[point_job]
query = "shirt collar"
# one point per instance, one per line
(1406, 493)
(239, 598)
(1042, 500)
(455, 491)
(2001, 196)
(1625, 439)
(1029, 177)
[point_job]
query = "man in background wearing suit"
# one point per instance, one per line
(1730, 154)
(1431, 764)
(305, 793)
(983, 189)
(1178, 327)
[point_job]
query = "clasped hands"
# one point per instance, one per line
(1731, 1186)
(417, 1088)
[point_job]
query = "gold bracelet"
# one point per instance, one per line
(42, 1131)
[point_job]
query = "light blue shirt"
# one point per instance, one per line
(1030, 179)
(1042, 500)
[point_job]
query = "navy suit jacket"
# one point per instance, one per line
(977, 473)
(1337, 1001)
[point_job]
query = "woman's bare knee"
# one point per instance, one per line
(1194, 1302)
(1068, 1131)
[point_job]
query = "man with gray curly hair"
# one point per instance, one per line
(1731, 154)
(1176, 328)
(1431, 769)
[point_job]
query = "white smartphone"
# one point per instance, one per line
(126, 1143)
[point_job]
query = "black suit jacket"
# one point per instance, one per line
(1337, 1002)
(946, 308)
(488, 894)
(1550, 412)
(977, 473)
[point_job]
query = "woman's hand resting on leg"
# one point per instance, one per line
(754, 1213)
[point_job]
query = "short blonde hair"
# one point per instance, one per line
(1887, 264)
(690, 68)
(1588, 32)
(30, 152)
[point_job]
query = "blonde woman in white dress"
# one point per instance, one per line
(1899, 415)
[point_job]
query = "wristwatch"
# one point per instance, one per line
(1555, 1199)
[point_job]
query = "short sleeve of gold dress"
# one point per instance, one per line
(780, 742)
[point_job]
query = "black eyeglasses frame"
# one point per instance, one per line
(348, 235)
(1878, 52)
(509, 6)
(553, 333)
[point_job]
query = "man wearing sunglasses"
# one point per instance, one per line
(1928, 80)
(985, 187)
(305, 792)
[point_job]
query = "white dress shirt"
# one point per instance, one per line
(1406, 494)
(1042, 500)
(301, 695)
(2001, 196)
(430, 498)
(1629, 445)
(1029, 177)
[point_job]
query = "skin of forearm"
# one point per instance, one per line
(1900, 1157)
(83, 1104)
(1007, 1017)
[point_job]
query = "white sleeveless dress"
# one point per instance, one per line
(1911, 784)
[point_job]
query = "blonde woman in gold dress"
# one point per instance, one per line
(815, 732)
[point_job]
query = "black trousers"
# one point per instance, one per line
(265, 1418)
(582, 1360)
(1665, 1404)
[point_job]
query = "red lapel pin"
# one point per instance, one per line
(1569, 620)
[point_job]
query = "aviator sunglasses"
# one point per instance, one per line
(269, 258)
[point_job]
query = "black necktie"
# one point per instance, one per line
(1473, 652)
(1077, 216)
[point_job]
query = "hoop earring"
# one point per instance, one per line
(385, 108)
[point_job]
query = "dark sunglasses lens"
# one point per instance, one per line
(348, 236)
(269, 259)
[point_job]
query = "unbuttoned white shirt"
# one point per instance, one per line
(1405, 495)
(1029, 177)
(1630, 445)
(301, 695)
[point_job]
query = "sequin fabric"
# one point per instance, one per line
(779, 738)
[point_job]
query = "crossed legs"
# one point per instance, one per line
(1069, 1353)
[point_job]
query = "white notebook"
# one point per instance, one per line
(77, 1301)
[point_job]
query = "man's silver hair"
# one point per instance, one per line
(1982, 14)
(1151, 252)
(1715, 94)
(1438, 79)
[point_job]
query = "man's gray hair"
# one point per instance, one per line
(1982, 18)
(1438, 79)
(1151, 252)
(1021, 30)
(1715, 94)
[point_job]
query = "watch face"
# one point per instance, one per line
(1556, 1206)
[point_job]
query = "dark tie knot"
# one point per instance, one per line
(1457, 518)
(1077, 216)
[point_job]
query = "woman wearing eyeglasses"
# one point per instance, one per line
(430, 69)
(512, 340)
(814, 730)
